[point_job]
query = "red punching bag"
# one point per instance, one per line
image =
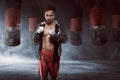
(12, 22)
(116, 22)
(97, 23)
(76, 26)
(33, 22)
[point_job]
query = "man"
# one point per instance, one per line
(50, 35)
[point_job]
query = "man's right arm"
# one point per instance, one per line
(37, 34)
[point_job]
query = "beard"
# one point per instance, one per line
(49, 21)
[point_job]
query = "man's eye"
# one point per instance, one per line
(49, 15)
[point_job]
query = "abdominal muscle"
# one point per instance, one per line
(46, 44)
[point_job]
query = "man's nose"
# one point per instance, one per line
(49, 17)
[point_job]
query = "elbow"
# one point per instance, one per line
(64, 39)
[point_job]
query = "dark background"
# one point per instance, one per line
(85, 51)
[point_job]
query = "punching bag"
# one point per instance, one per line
(116, 23)
(76, 26)
(97, 23)
(12, 22)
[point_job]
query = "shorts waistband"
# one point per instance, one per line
(51, 50)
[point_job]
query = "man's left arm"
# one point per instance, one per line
(61, 36)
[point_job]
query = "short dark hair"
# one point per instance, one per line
(50, 7)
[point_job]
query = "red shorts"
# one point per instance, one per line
(48, 64)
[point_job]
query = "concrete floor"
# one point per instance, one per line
(69, 70)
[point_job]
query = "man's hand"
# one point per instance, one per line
(52, 32)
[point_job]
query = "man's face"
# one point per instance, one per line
(49, 16)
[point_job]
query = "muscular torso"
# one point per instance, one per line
(46, 44)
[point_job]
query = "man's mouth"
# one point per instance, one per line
(49, 21)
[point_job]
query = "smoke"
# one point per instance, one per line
(69, 52)
(25, 49)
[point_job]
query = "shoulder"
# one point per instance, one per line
(41, 24)
(58, 24)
